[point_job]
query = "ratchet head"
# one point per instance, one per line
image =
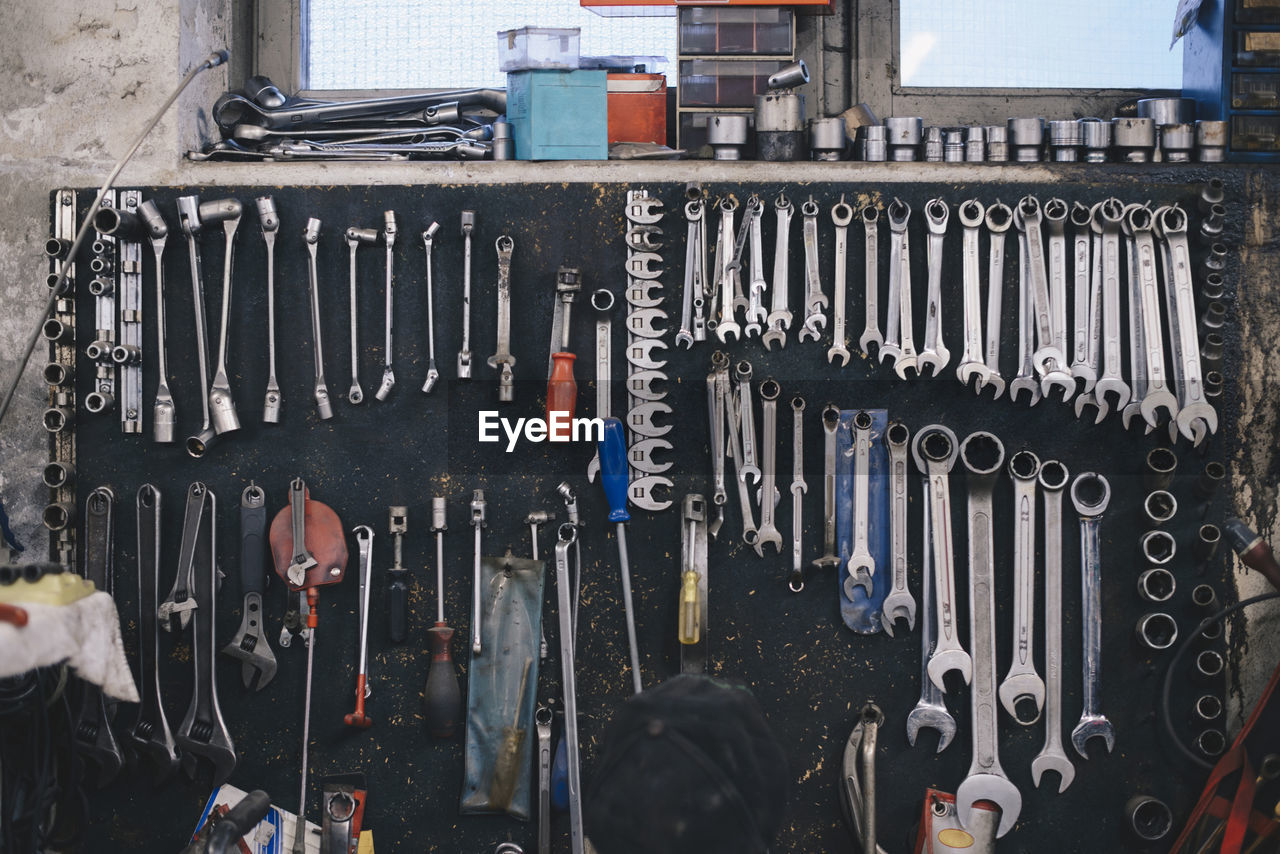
(995, 788)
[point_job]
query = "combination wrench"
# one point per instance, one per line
(1047, 358)
(1025, 379)
(768, 491)
(433, 373)
(734, 450)
(748, 465)
(999, 218)
(726, 325)
(841, 216)
(716, 412)
(602, 300)
(899, 343)
(464, 351)
(798, 488)
(1196, 416)
(983, 456)
(830, 426)
(222, 406)
(1138, 374)
(972, 363)
(270, 222)
(930, 711)
(1083, 367)
(757, 316)
(502, 360)
(815, 301)
(164, 415)
(389, 239)
(871, 244)
(1111, 380)
(779, 319)
(1022, 682)
(320, 388)
(1052, 757)
(861, 567)
(1158, 395)
(934, 354)
(695, 272)
(355, 237)
(1090, 493)
(150, 734)
(1055, 220)
(899, 604)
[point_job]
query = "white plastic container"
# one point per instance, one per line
(531, 48)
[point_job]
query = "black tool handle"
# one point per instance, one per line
(253, 540)
(398, 606)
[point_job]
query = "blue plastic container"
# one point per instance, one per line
(559, 115)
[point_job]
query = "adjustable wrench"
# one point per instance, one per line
(164, 416)
(716, 412)
(355, 237)
(203, 733)
(768, 493)
(222, 406)
(464, 352)
(757, 316)
(503, 361)
(175, 611)
(1158, 395)
(389, 238)
(150, 734)
(1196, 416)
(930, 711)
(1083, 366)
(871, 234)
(935, 354)
(898, 323)
(747, 420)
(433, 374)
(602, 301)
(899, 604)
(695, 273)
(830, 424)
(841, 215)
(302, 560)
(1055, 218)
(726, 325)
(92, 729)
(935, 449)
(814, 299)
(734, 450)
(861, 568)
(986, 780)
(320, 389)
(270, 223)
(798, 488)
(1108, 215)
(779, 319)
(971, 362)
(1053, 478)
(189, 221)
(250, 643)
(999, 218)
(1090, 493)
(1022, 682)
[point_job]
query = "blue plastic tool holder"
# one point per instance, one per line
(559, 115)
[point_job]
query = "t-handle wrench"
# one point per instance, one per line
(222, 406)
(164, 417)
(389, 238)
(270, 222)
(321, 389)
(356, 236)
(464, 353)
(433, 374)
(502, 360)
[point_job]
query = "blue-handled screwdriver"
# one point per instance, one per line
(613, 475)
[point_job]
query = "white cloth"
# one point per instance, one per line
(85, 634)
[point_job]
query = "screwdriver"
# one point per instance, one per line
(442, 701)
(1252, 550)
(613, 475)
(562, 388)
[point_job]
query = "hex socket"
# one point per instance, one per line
(1149, 819)
(1095, 135)
(1157, 584)
(58, 474)
(1211, 141)
(1214, 287)
(1208, 539)
(997, 143)
(1212, 192)
(56, 419)
(1159, 507)
(1209, 664)
(1211, 477)
(1213, 383)
(118, 223)
(1214, 317)
(58, 515)
(56, 373)
(1026, 137)
(98, 401)
(1211, 742)
(1158, 547)
(1212, 632)
(101, 286)
(1156, 631)
(1204, 597)
(56, 331)
(56, 247)
(1208, 708)
(1215, 261)
(1161, 464)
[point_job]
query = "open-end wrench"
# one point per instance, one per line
(815, 301)
(1158, 395)
(356, 236)
(726, 325)
(203, 733)
(464, 352)
(191, 225)
(1046, 357)
(935, 449)
(934, 354)
(899, 604)
(320, 389)
(389, 240)
(860, 571)
(1137, 324)
(164, 416)
(433, 373)
(998, 219)
(1025, 380)
(972, 364)
(930, 711)
(249, 646)
(222, 405)
(602, 300)
(1090, 494)
(734, 450)
(1055, 222)
(1053, 479)
(150, 734)
(175, 611)
(1196, 416)
(983, 456)
(92, 729)
(1111, 379)
(779, 319)
(871, 235)
(641, 420)
(769, 493)
(899, 324)
(841, 215)
(1022, 682)
(798, 488)
(830, 426)
(748, 465)
(502, 360)
(695, 271)
(270, 222)
(1083, 281)
(757, 314)
(716, 413)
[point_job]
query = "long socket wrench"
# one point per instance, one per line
(798, 488)
(189, 222)
(464, 352)
(899, 342)
(830, 426)
(433, 373)
(502, 360)
(355, 237)
(1090, 493)
(1052, 757)
(270, 222)
(860, 570)
(815, 301)
(930, 711)
(1022, 683)
(222, 406)
(899, 604)
(164, 415)
(779, 319)
(389, 240)
(768, 492)
(320, 388)
(935, 354)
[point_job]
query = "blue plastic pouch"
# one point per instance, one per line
(860, 613)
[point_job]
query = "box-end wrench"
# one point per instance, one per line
(972, 364)
(1025, 380)
(1083, 281)
(899, 324)
(164, 416)
(249, 646)
(433, 373)
(355, 237)
(1196, 416)
(1052, 757)
(841, 216)
(795, 583)
(779, 319)
(1090, 493)
(860, 571)
(768, 492)
(222, 405)
(695, 270)
(757, 316)
(935, 354)
(189, 221)
(1046, 357)
(320, 390)
(1055, 222)
(815, 301)
(602, 300)
(871, 270)
(464, 351)
(270, 222)
(930, 711)
(899, 604)
(983, 456)
(1109, 215)
(1158, 395)
(934, 449)
(502, 360)
(830, 425)
(998, 219)
(726, 325)
(389, 240)
(1022, 683)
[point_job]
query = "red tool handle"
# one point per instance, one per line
(562, 396)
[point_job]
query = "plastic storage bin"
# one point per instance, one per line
(736, 32)
(725, 83)
(530, 48)
(559, 115)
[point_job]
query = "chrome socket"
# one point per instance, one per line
(873, 145)
(933, 149)
(904, 137)
(1159, 507)
(1161, 464)
(1211, 477)
(1158, 547)
(997, 143)
(1026, 137)
(1134, 139)
(1157, 585)
(1156, 631)
(1211, 141)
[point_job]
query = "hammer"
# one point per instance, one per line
(535, 519)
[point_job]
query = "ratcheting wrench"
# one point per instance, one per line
(464, 352)
(972, 364)
(502, 360)
(1090, 493)
(757, 315)
(389, 238)
(841, 215)
(321, 389)
(899, 323)
(1053, 478)
(999, 218)
(871, 231)
(830, 425)
(861, 567)
(270, 223)
(930, 711)
(1022, 682)
(935, 354)
(779, 319)
(899, 604)
(768, 490)
(164, 417)
(814, 299)
(433, 374)
(798, 488)
(356, 236)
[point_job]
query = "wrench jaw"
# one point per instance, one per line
(1017, 690)
(944, 661)
(869, 337)
(838, 351)
(993, 787)
(1028, 384)
(860, 574)
(1086, 374)
(1196, 422)
(935, 360)
(966, 371)
(1089, 727)
(1090, 398)
(937, 718)
(777, 334)
(903, 363)
(1048, 760)
(726, 328)
(1151, 405)
(898, 606)
(991, 379)
(1058, 378)
(250, 647)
